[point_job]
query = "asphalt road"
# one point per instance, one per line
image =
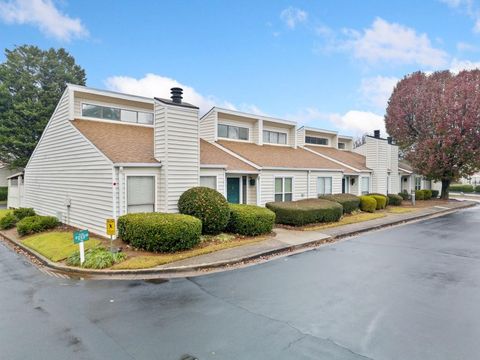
(410, 292)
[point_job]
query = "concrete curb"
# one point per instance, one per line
(225, 263)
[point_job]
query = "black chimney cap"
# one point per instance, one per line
(376, 134)
(176, 95)
(390, 140)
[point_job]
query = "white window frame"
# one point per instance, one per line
(210, 176)
(114, 106)
(419, 183)
(155, 206)
(362, 179)
(278, 137)
(237, 126)
(317, 137)
(331, 185)
(283, 187)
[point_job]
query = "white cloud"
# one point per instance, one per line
(292, 16)
(377, 90)
(153, 85)
(469, 7)
(44, 15)
(458, 65)
(464, 47)
(391, 42)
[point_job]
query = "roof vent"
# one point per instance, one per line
(376, 134)
(176, 95)
(390, 140)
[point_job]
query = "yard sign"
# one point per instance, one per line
(79, 237)
(110, 223)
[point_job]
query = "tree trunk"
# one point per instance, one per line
(445, 186)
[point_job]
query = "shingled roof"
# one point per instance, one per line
(349, 158)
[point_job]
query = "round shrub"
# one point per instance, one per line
(160, 232)
(208, 205)
(8, 221)
(466, 188)
(381, 201)
(35, 224)
(250, 220)
(349, 202)
(477, 188)
(394, 199)
(21, 213)
(382, 195)
(404, 194)
(419, 195)
(427, 194)
(435, 194)
(368, 203)
(308, 211)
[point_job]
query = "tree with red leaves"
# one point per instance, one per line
(435, 119)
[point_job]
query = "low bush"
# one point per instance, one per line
(419, 195)
(427, 194)
(394, 199)
(349, 202)
(3, 193)
(8, 221)
(368, 203)
(160, 232)
(383, 195)
(35, 224)
(21, 213)
(381, 201)
(250, 220)
(309, 211)
(208, 205)
(477, 188)
(435, 194)
(404, 194)
(96, 258)
(461, 188)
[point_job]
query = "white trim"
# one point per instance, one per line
(283, 177)
(407, 171)
(114, 197)
(318, 130)
(137, 164)
(257, 184)
(109, 93)
(228, 151)
(155, 206)
(118, 122)
(241, 172)
(15, 175)
(287, 137)
(331, 159)
(331, 185)
(253, 116)
(300, 169)
(213, 166)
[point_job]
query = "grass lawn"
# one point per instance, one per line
(209, 244)
(56, 245)
(400, 210)
(347, 219)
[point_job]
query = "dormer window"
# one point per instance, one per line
(341, 146)
(113, 113)
(316, 140)
(232, 132)
(274, 137)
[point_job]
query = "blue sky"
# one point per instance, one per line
(330, 64)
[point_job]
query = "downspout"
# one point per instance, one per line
(114, 197)
(308, 183)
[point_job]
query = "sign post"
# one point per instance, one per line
(79, 237)
(110, 223)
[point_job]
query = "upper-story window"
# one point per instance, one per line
(341, 146)
(274, 137)
(113, 113)
(232, 132)
(316, 140)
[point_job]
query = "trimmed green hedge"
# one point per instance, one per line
(208, 205)
(423, 194)
(368, 203)
(3, 193)
(349, 202)
(35, 224)
(477, 188)
(435, 194)
(160, 232)
(250, 220)
(309, 211)
(8, 221)
(21, 213)
(394, 199)
(381, 201)
(461, 188)
(404, 194)
(383, 195)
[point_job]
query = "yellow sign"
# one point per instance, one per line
(110, 226)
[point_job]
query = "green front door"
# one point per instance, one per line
(233, 190)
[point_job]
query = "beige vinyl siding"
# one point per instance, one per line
(219, 174)
(332, 138)
(336, 181)
(107, 101)
(394, 186)
(301, 137)
(252, 190)
(362, 150)
(376, 159)
(177, 147)
(267, 183)
(257, 132)
(208, 126)
(65, 165)
(6, 172)
(122, 184)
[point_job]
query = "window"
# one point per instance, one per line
(111, 113)
(140, 194)
(283, 189)
(324, 185)
(274, 137)
(341, 145)
(365, 185)
(316, 140)
(209, 181)
(418, 183)
(232, 132)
